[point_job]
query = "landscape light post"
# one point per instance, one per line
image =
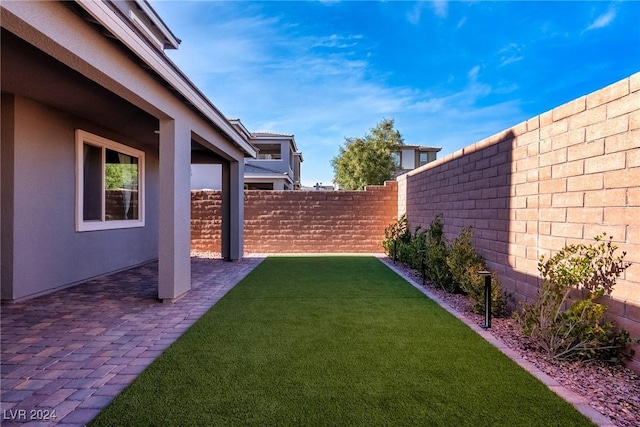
(395, 249)
(422, 253)
(487, 298)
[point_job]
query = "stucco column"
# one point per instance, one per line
(233, 210)
(174, 262)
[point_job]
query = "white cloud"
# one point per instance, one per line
(603, 20)
(338, 41)
(440, 8)
(473, 73)
(511, 53)
(415, 14)
(323, 88)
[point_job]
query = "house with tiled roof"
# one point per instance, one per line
(276, 152)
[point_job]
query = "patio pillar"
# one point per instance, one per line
(233, 210)
(174, 214)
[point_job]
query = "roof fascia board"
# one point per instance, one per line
(252, 176)
(166, 70)
(153, 16)
(242, 126)
(422, 147)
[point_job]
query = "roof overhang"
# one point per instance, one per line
(267, 176)
(265, 136)
(422, 147)
(171, 41)
(165, 69)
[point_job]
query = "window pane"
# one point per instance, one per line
(92, 183)
(423, 159)
(121, 186)
(396, 159)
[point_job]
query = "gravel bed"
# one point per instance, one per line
(611, 389)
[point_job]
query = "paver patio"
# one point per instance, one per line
(69, 353)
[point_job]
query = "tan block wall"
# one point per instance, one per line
(300, 221)
(559, 178)
(206, 221)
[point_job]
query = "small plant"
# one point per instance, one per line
(465, 263)
(436, 256)
(564, 328)
(415, 249)
(454, 268)
(396, 234)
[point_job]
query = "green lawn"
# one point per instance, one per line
(333, 341)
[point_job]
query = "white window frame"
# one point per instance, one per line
(83, 137)
(426, 155)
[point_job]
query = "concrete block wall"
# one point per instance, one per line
(301, 221)
(559, 178)
(206, 221)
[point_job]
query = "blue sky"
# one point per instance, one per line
(448, 73)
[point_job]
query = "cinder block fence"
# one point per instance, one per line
(301, 221)
(562, 177)
(559, 178)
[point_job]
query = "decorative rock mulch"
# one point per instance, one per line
(611, 389)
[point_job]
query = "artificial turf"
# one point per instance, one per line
(333, 341)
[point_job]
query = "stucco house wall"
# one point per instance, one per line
(68, 66)
(206, 177)
(51, 253)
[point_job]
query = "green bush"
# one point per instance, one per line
(454, 268)
(564, 328)
(396, 234)
(415, 249)
(402, 245)
(463, 260)
(437, 251)
(465, 264)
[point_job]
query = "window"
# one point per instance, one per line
(269, 156)
(258, 186)
(396, 159)
(109, 184)
(423, 158)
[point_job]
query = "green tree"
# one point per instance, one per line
(368, 160)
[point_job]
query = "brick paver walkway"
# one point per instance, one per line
(69, 353)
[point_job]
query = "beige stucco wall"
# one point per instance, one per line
(104, 80)
(48, 252)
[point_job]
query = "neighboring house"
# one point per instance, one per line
(413, 156)
(277, 166)
(278, 153)
(99, 129)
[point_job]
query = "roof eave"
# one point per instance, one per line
(166, 70)
(171, 41)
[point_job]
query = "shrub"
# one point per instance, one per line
(453, 268)
(465, 263)
(563, 328)
(463, 260)
(415, 249)
(400, 244)
(394, 235)
(437, 269)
